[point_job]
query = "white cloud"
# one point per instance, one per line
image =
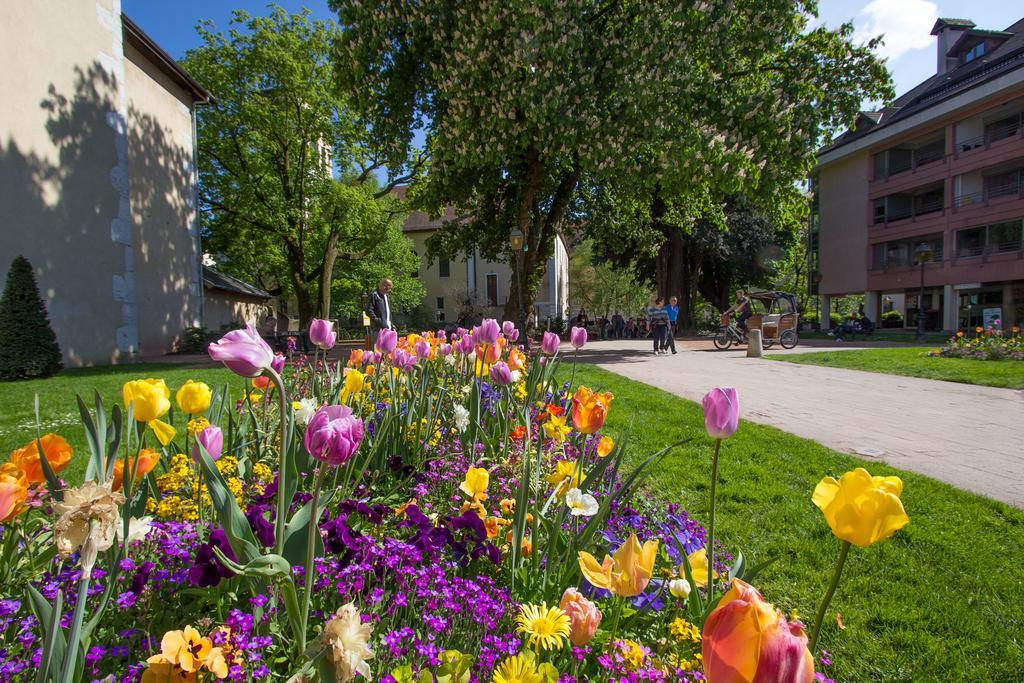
(905, 24)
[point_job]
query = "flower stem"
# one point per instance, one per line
(310, 567)
(618, 613)
(828, 596)
(710, 543)
(282, 502)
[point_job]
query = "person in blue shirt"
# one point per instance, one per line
(673, 316)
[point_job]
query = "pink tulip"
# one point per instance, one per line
(212, 439)
(422, 349)
(243, 352)
(549, 343)
(488, 332)
(465, 345)
(501, 374)
(578, 337)
(333, 435)
(721, 412)
(584, 616)
(321, 333)
(403, 361)
(387, 340)
(444, 350)
(278, 363)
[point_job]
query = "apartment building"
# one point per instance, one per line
(931, 189)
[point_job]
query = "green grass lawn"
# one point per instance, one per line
(940, 601)
(884, 335)
(58, 410)
(915, 362)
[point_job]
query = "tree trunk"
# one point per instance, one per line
(327, 274)
(677, 269)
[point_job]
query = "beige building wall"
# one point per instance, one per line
(843, 201)
(222, 310)
(453, 289)
(94, 159)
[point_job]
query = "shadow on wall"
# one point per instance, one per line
(61, 206)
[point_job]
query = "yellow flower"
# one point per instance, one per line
(547, 627)
(566, 476)
(188, 651)
(262, 472)
(698, 560)
(149, 398)
(632, 653)
(354, 381)
(556, 429)
(862, 509)
(194, 397)
(682, 630)
(196, 425)
(628, 573)
(476, 482)
(605, 446)
(517, 669)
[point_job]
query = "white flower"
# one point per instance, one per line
(88, 518)
(461, 418)
(515, 376)
(304, 410)
(138, 529)
(679, 588)
(347, 638)
(471, 357)
(581, 504)
(449, 359)
(466, 389)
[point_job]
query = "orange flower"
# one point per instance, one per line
(518, 433)
(508, 506)
(605, 446)
(491, 524)
(355, 359)
(143, 464)
(13, 491)
(590, 409)
(555, 410)
(58, 454)
(400, 510)
(261, 382)
(516, 359)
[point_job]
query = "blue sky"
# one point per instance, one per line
(906, 23)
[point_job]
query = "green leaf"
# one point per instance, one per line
(53, 637)
(230, 516)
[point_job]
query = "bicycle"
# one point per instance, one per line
(728, 334)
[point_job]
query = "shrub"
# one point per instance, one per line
(193, 340)
(892, 319)
(986, 345)
(28, 346)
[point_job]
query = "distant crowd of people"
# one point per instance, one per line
(659, 321)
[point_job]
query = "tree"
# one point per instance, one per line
(28, 346)
(601, 287)
(269, 149)
(523, 105)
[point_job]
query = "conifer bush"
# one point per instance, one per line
(28, 346)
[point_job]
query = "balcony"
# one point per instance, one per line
(909, 157)
(995, 188)
(1006, 237)
(979, 133)
(902, 253)
(902, 206)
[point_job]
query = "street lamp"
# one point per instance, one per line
(518, 247)
(923, 254)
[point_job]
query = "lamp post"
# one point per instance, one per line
(923, 254)
(518, 246)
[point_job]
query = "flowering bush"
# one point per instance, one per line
(985, 344)
(434, 510)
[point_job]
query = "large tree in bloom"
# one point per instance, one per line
(288, 175)
(524, 101)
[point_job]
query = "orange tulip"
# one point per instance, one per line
(605, 446)
(589, 409)
(261, 382)
(143, 465)
(13, 491)
(516, 359)
(746, 640)
(58, 454)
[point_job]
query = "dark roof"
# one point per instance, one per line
(950, 22)
(214, 279)
(1007, 57)
(138, 39)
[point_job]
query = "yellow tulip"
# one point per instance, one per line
(149, 398)
(194, 397)
(605, 446)
(589, 409)
(862, 509)
(354, 381)
(566, 476)
(627, 573)
(698, 560)
(475, 485)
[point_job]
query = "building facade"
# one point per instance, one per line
(931, 189)
(473, 286)
(97, 177)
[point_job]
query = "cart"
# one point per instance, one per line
(774, 313)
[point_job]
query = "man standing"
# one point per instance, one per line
(657, 319)
(673, 315)
(378, 307)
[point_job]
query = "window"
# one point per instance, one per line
(416, 273)
(444, 267)
(492, 289)
(970, 242)
(1005, 236)
(880, 210)
(975, 52)
(440, 309)
(440, 303)
(1002, 184)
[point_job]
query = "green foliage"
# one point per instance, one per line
(28, 346)
(272, 145)
(601, 288)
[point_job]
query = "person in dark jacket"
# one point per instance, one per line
(378, 307)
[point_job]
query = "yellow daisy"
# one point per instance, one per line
(516, 669)
(547, 627)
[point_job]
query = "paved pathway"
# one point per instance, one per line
(969, 436)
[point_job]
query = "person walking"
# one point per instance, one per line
(672, 309)
(657, 319)
(378, 307)
(618, 325)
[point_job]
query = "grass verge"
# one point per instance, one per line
(937, 602)
(915, 362)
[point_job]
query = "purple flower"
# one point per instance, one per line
(721, 412)
(508, 327)
(578, 337)
(501, 374)
(278, 363)
(488, 331)
(141, 577)
(403, 361)
(261, 528)
(464, 345)
(321, 333)
(387, 340)
(549, 343)
(444, 350)
(212, 439)
(207, 570)
(333, 434)
(422, 349)
(243, 352)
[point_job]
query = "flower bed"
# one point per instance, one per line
(986, 344)
(472, 523)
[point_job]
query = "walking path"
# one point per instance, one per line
(965, 435)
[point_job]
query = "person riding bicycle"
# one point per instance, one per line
(742, 307)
